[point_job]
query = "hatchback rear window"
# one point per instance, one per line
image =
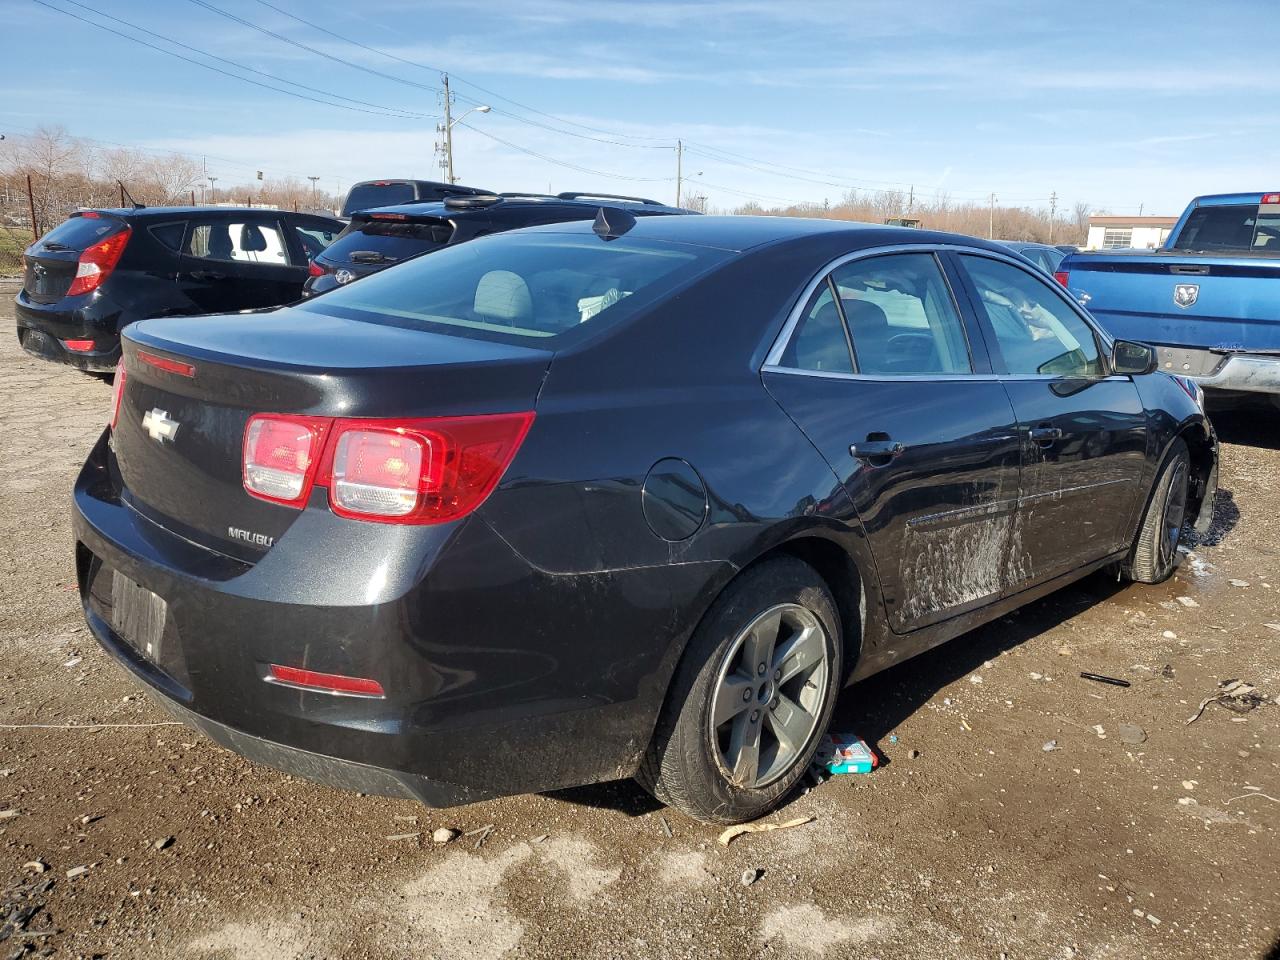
(387, 241)
(1244, 228)
(366, 196)
(539, 285)
(79, 233)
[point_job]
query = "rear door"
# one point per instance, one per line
(238, 261)
(890, 383)
(52, 261)
(1083, 432)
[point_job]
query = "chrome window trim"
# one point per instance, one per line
(773, 359)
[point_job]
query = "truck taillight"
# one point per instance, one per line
(1062, 276)
(117, 393)
(280, 456)
(1271, 198)
(97, 262)
(420, 471)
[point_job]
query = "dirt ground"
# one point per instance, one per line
(1013, 817)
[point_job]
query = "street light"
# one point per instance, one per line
(449, 124)
(315, 203)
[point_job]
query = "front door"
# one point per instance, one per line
(238, 261)
(879, 373)
(1083, 431)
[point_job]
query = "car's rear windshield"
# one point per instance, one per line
(387, 241)
(1235, 228)
(514, 286)
(366, 196)
(79, 233)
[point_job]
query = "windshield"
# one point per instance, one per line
(1238, 228)
(366, 196)
(531, 286)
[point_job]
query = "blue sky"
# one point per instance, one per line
(1114, 104)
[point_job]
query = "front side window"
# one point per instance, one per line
(237, 242)
(1037, 332)
(901, 316)
(538, 285)
(314, 239)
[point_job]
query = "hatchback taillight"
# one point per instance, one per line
(314, 269)
(280, 456)
(97, 262)
(117, 393)
(1062, 276)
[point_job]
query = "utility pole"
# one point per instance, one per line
(991, 218)
(448, 131)
(1140, 206)
(911, 199)
(679, 174)
(314, 201)
(1053, 213)
(213, 191)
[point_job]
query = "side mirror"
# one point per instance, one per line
(1131, 357)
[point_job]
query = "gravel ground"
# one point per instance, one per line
(975, 839)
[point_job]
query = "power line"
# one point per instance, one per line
(242, 66)
(207, 66)
(563, 163)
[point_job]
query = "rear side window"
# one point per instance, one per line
(1037, 332)
(1243, 228)
(237, 242)
(366, 196)
(387, 241)
(520, 286)
(79, 233)
(819, 342)
(901, 316)
(169, 234)
(314, 240)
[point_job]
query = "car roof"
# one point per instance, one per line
(1227, 199)
(738, 233)
(135, 213)
(506, 202)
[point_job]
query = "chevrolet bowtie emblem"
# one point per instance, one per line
(157, 423)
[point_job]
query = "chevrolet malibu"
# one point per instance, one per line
(631, 499)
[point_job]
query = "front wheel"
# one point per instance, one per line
(1155, 553)
(752, 697)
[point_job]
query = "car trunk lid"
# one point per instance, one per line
(193, 384)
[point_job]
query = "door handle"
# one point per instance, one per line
(878, 449)
(208, 275)
(1046, 435)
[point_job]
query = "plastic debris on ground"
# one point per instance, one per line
(846, 753)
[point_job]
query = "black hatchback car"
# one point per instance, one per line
(102, 269)
(377, 239)
(583, 502)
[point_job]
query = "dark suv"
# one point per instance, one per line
(102, 269)
(377, 239)
(385, 193)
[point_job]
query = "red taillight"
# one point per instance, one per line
(388, 216)
(97, 262)
(79, 346)
(315, 270)
(1062, 276)
(324, 682)
(167, 364)
(389, 471)
(280, 456)
(1271, 198)
(117, 393)
(420, 471)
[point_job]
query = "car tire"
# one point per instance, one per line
(781, 608)
(1155, 552)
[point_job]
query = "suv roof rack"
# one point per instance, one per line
(590, 195)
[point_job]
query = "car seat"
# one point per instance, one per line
(503, 297)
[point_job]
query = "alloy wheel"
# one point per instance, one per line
(1174, 513)
(769, 695)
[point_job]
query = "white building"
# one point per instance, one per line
(1122, 233)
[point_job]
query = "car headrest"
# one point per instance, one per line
(503, 296)
(220, 241)
(252, 238)
(864, 317)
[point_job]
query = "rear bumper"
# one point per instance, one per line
(43, 330)
(499, 678)
(1215, 370)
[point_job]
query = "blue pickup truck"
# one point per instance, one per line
(1208, 300)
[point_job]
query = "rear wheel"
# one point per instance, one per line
(1155, 554)
(752, 697)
